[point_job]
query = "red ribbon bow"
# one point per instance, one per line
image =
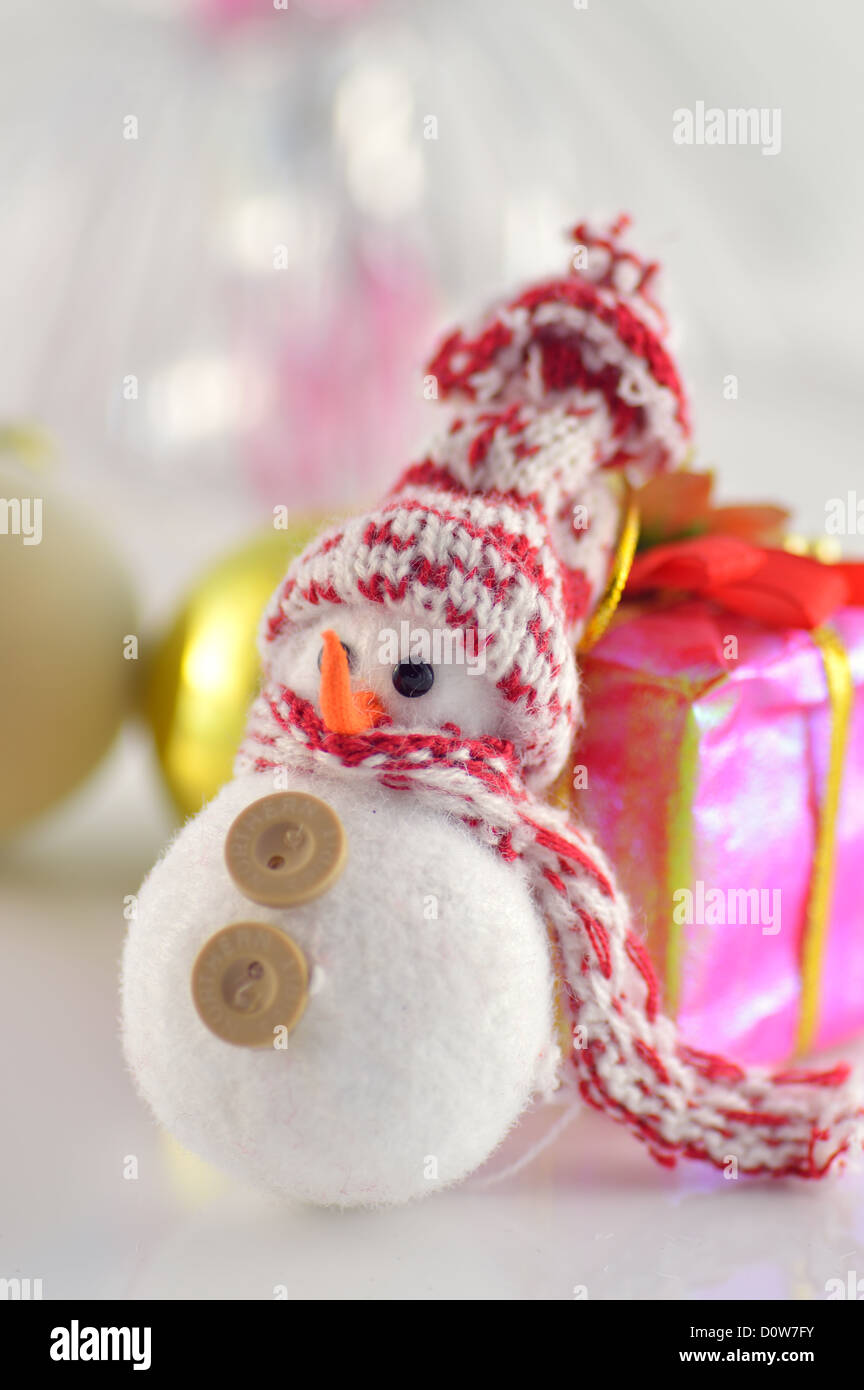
(773, 586)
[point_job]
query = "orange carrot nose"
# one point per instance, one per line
(344, 711)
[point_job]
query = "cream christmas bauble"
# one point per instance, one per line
(68, 645)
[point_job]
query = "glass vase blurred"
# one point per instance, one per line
(258, 238)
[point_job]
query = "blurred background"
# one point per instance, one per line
(239, 207)
(230, 232)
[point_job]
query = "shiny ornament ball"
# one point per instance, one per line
(204, 671)
(68, 641)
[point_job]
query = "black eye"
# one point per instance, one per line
(413, 678)
(346, 650)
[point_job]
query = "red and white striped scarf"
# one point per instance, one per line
(625, 1055)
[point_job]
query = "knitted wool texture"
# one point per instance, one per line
(571, 378)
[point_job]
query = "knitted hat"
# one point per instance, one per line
(480, 535)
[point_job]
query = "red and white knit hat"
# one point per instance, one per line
(569, 378)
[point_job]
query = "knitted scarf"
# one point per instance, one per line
(625, 1057)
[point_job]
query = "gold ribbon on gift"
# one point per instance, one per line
(679, 866)
(622, 563)
(838, 679)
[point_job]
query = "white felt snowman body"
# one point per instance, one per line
(429, 1024)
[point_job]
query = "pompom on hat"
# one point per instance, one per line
(592, 343)
(570, 378)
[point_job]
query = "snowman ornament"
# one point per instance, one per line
(356, 968)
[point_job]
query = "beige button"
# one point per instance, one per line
(248, 981)
(286, 849)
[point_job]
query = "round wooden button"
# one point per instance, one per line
(286, 849)
(247, 981)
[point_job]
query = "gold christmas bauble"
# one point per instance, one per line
(67, 645)
(204, 672)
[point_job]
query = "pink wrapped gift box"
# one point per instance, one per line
(705, 761)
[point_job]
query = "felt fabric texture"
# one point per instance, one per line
(424, 1036)
(461, 693)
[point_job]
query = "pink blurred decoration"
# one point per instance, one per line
(239, 11)
(345, 384)
(762, 725)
